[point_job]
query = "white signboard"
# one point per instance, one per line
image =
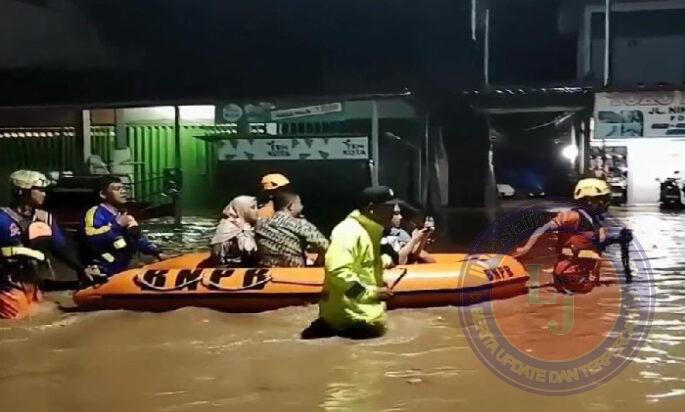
(334, 148)
(306, 111)
(232, 113)
(639, 114)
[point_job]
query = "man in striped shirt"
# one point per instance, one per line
(284, 238)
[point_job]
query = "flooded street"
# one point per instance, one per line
(201, 360)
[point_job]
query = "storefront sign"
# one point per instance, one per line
(306, 111)
(640, 114)
(231, 113)
(264, 112)
(335, 148)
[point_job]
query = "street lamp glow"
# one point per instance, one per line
(570, 152)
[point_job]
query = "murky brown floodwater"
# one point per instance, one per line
(200, 360)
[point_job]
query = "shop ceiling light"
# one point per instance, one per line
(570, 152)
(196, 113)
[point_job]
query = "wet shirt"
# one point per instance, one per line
(567, 220)
(393, 240)
(108, 244)
(282, 240)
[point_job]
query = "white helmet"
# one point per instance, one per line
(28, 179)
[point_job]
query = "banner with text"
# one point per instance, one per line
(316, 148)
(639, 114)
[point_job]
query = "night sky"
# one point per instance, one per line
(183, 49)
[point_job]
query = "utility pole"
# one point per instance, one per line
(486, 48)
(607, 43)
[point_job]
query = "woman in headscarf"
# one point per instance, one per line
(233, 242)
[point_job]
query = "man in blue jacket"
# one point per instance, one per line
(111, 235)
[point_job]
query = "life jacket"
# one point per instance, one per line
(266, 210)
(581, 241)
(20, 262)
(579, 255)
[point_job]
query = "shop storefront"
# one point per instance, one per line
(641, 134)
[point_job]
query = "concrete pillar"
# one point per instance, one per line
(375, 135)
(178, 208)
(85, 132)
(424, 163)
(581, 134)
(121, 140)
(607, 43)
(486, 50)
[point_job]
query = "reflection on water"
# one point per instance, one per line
(201, 360)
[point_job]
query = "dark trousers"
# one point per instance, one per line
(320, 329)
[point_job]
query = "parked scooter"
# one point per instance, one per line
(670, 193)
(619, 188)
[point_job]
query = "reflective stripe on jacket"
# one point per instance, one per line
(108, 243)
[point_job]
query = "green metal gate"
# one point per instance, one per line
(199, 164)
(153, 150)
(40, 148)
(102, 142)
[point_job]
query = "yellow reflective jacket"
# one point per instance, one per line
(354, 273)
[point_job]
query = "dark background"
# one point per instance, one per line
(157, 50)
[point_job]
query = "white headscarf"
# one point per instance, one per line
(233, 224)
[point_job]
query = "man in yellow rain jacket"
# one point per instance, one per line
(354, 294)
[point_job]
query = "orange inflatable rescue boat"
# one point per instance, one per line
(456, 279)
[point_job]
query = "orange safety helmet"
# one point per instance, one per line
(274, 181)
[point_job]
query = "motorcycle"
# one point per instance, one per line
(669, 194)
(619, 189)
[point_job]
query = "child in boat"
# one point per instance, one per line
(233, 243)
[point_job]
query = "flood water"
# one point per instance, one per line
(201, 360)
